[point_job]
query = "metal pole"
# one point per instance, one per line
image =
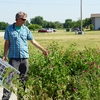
(81, 13)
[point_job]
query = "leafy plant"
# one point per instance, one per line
(64, 74)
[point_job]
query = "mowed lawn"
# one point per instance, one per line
(91, 39)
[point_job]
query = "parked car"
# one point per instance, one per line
(75, 29)
(42, 30)
(48, 30)
(53, 30)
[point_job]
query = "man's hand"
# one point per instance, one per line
(4, 58)
(45, 53)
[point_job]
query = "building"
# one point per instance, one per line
(96, 21)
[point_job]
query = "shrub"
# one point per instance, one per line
(65, 75)
(91, 27)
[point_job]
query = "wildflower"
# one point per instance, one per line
(74, 89)
(38, 68)
(82, 56)
(60, 84)
(97, 66)
(52, 67)
(91, 66)
(83, 71)
(66, 63)
(87, 62)
(61, 92)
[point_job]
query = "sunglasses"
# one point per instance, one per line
(22, 19)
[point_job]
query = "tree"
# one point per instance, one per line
(50, 25)
(57, 24)
(91, 27)
(27, 23)
(37, 20)
(34, 26)
(3, 25)
(45, 24)
(77, 24)
(87, 22)
(68, 23)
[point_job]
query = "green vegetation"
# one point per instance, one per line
(38, 22)
(71, 71)
(3, 25)
(1, 30)
(89, 39)
(64, 74)
(69, 23)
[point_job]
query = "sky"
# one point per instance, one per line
(50, 10)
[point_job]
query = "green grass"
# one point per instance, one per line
(90, 39)
(1, 43)
(1, 30)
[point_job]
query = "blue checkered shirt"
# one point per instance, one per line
(18, 47)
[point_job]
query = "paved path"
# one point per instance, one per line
(13, 96)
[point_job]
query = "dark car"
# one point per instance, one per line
(42, 30)
(75, 29)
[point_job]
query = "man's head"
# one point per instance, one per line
(21, 16)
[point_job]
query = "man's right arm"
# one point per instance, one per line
(6, 46)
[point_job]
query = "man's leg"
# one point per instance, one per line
(23, 68)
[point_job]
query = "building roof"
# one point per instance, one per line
(95, 15)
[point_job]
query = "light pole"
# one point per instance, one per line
(81, 13)
(81, 30)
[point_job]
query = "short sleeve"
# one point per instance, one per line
(29, 35)
(6, 34)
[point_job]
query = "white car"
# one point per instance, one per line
(51, 30)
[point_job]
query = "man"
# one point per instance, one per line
(16, 36)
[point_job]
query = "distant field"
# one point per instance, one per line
(1, 30)
(89, 39)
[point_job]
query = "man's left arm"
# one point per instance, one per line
(35, 43)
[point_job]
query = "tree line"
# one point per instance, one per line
(38, 22)
(3, 25)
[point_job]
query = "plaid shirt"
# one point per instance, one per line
(18, 47)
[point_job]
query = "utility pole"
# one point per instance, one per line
(81, 13)
(81, 30)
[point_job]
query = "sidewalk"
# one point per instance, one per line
(13, 96)
(1, 33)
